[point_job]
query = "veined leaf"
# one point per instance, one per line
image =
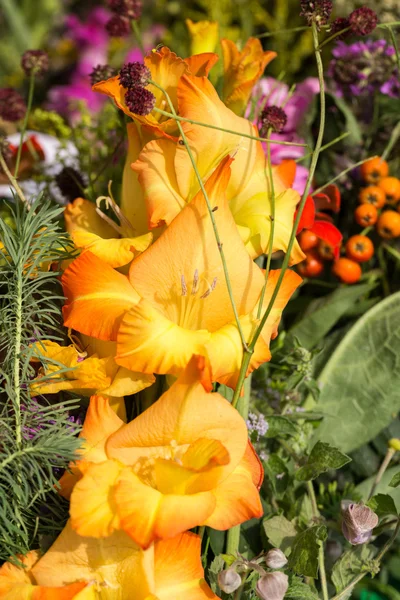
(322, 457)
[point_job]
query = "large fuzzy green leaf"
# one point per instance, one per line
(360, 383)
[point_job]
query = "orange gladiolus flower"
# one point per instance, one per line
(115, 244)
(204, 36)
(169, 181)
(81, 568)
(166, 69)
(185, 461)
(175, 302)
(242, 70)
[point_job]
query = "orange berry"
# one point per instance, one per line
(366, 214)
(391, 187)
(388, 225)
(374, 169)
(372, 194)
(326, 250)
(307, 240)
(312, 266)
(347, 270)
(359, 248)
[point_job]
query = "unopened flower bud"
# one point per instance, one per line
(12, 105)
(140, 101)
(275, 559)
(394, 443)
(358, 522)
(340, 24)
(35, 62)
(273, 117)
(272, 586)
(134, 73)
(363, 20)
(229, 581)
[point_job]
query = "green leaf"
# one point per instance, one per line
(322, 457)
(278, 426)
(360, 382)
(217, 565)
(383, 505)
(277, 473)
(300, 591)
(352, 124)
(395, 481)
(280, 532)
(350, 564)
(217, 540)
(303, 559)
(325, 312)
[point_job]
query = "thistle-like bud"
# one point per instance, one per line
(118, 26)
(358, 522)
(317, 11)
(275, 559)
(134, 73)
(101, 73)
(12, 105)
(363, 21)
(340, 24)
(140, 101)
(35, 62)
(272, 586)
(272, 117)
(229, 581)
(132, 9)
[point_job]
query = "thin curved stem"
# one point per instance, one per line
(13, 181)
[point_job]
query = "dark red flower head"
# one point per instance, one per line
(101, 73)
(35, 62)
(140, 101)
(316, 11)
(12, 105)
(340, 24)
(134, 73)
(132, 9)
(273, 117)
(118, 26)
(363, 21)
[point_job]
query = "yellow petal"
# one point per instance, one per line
(115, 252)
(81, 215)
(204, 36)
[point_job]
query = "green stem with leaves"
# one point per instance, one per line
(138, 36)
(25, 122)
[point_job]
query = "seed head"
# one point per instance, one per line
(134, 74)
(273, 117)
(12, 105)
(140, 101)
(35, 62)
(132, 9)
(318, 11)
(363, 21)
(101, 73)
(118, 26)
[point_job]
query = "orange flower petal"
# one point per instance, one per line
(81, 215)
(201, 64)
(93, 509)
(180, 574)
(115, 252)
(96, 297)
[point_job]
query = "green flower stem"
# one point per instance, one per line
(272, 217)
(238, 133)
(138, 36)
(321, 556)
(13, 181)
(385, 463)
(344, 593)
(210, 211)
(357, 164)
(392, 251)
(25, 122)
(325, 147)
(282, 32)
(332, 37)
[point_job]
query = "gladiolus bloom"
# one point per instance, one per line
(169, 181)
(175, 302)
(242, 70)
(115, 244)
(78, 568)
(203, 35)
(185, 461)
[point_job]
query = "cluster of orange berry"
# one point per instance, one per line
(379, 206)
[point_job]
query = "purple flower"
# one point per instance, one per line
(257, 424)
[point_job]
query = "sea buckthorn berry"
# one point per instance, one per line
(326, 250)
(388, 225)
(359, 248)
(347, 270)
(391, 187)
(372, 194)
(312, 266)
(366, 215)
(374, 169)
(308, 240)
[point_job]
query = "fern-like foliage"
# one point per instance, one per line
(37, 438)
